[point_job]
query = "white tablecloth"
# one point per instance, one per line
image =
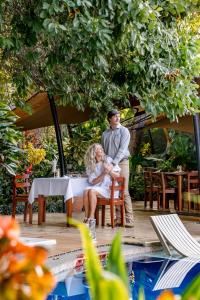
(62, 186)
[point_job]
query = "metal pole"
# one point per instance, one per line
(197, 141)
(58, 135)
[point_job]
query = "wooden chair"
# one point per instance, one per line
(151, 187)
(117, 185)
(21, 188)
(165, 190)
(192, 189)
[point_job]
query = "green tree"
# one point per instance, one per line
(94, 52)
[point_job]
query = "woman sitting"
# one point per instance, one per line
(100, 171)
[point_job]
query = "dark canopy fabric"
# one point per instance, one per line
(41, 113)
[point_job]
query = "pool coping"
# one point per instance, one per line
(63, 263)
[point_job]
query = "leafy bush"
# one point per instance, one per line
(136, 186)
(182, 150)
(9, 138)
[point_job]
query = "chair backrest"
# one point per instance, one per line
(193, 181)
(21, 184)
(156, 179)
(147, 179)
(117, 187)
(171, 230)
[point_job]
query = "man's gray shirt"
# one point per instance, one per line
(115, 143)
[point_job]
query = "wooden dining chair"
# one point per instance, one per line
(192, 189)
(165, 191)
(116, 186)
(21, 188)
(151, 187)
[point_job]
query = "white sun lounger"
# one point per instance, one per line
(171, 231)
(173, 276)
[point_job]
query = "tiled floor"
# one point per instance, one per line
(68, 239)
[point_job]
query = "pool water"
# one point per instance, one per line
(153, 273)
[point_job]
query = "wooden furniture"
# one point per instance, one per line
(166, 190)
(60, 186)
(21, 187)
(151, 187)
(117, 186)
(192, 189)
(178, 176)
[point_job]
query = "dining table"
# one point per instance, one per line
(68, 187)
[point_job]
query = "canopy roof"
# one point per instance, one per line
(41, 113)
(145, 120)
(184, 124)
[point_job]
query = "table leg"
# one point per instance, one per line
(41, 212)
(69, 207)
(179, 193)
(30, 208)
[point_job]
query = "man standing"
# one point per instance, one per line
(115, 141)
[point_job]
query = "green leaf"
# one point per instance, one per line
(115, 262)
(103, 284)
(45, 5)
(192, 291)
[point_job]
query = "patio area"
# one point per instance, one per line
(68, 239)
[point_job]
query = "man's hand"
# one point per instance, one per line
(108, 168)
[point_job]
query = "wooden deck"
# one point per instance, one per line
(68, 239)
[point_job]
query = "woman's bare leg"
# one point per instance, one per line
(92, 196)
(86, 203)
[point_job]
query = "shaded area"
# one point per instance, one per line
(42, 116)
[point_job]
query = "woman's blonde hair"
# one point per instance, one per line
(90, 157)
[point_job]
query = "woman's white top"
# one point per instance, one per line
(103, 187)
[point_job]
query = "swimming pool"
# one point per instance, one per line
(153, 272)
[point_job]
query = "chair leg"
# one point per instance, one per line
(14, 205)
(158, 202)
(151, 200)
(40, 209)
(97, 215)
(164, 201)
(44, 211)
(69, 207)
(25, 210)
(112, 215)
(146, 198)
(103, 215)
(122, 215)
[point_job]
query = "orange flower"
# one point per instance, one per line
(9, 228)
(23, 274)
(166, 295)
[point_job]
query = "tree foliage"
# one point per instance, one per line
(94, 52)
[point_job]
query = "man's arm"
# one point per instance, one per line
(123, 147)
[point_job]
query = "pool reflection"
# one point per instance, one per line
(153, 274)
